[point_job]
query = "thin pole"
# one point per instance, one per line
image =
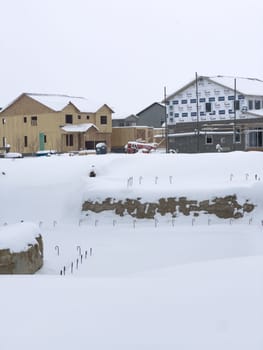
(197, 113)
(235, 113)
(166, 126)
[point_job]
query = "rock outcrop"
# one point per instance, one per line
(24, 262)
(223, 207)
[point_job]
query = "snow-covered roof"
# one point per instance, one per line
(245, 86)
(78, 128)
(58, 102)
(221, 132)
(256, 112)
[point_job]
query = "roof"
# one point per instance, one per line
(129, 117)
(78, 127)
(245, 86)
(153, 104)
(256, 112)
(192, 133)
(58, 102)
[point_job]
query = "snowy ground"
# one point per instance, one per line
(134, 284)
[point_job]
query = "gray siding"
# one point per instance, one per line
(153, 116)
(183, 137)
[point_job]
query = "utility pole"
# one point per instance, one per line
(235, 113)
(197, 113)
(165, 121)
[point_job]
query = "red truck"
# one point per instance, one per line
(135, 146)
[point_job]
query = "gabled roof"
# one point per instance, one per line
(153, 104)
(57, 102)
(78, 127)
(244, 86)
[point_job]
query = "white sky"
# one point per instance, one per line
(124, 52)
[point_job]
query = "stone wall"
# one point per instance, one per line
(223, 207)
(24, 262)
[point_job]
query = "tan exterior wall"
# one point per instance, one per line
(121, 135)
(159, 137)
(103, 112)
(24, 105)
(16, 124)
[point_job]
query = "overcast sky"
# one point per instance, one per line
(123, 52)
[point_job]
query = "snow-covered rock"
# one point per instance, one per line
(21, 249)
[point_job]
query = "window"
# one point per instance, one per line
(103, 119)
(87, 116)
(208, 139)
(250, 104)
(4, 141)
(230, 111)
(184, 102)
(25, 141)
(25, 119)
(193, 114)
(202, 113)
(34, 120)
(45, 138)
(202, 99)
(69, 140)
(3, 121)
(211, 99)
(175, 102)
(68, 118)
(221, 98)
(79, 116)
(255, 138)
(193, 100)
(185, 114)
(222, 111)
(257, 104)
(208, 107)
(171, 114)
(237, 135)
(176, 115)
(241, 97)
(237, 105)
(230, 98)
